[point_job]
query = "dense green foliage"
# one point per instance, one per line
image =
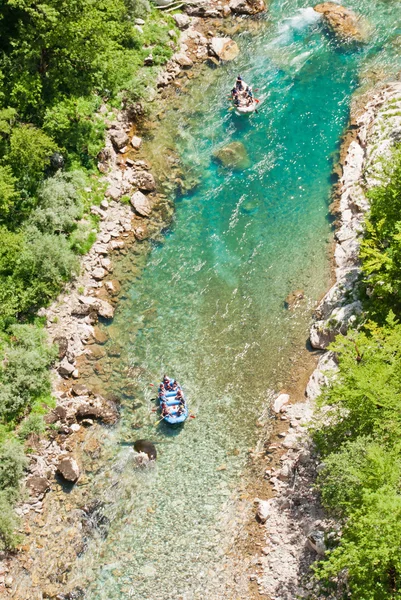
(381, 247)
(358, 430)
(65, 66)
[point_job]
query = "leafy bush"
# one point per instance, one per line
(29, 155)
(359, 466)
(24, 375)
(12, 464)
(74, 125)
(45, 263)
(9, 538)
(33, 423)
(370, 548)
(59, 204)
(8, 193)
(365, 396)
(381, 246)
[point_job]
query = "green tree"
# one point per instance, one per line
(8, 194)
(29, 155)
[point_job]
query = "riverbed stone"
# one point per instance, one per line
(262, 510)
(142, 204)
(37, 485)
(105, 309)
(100, 335)
(68, 469)
(224, 48)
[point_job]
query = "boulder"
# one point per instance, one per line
(183, 60)
(37, 485)
(224, 48)
(113, 192)
(66, 369)
(79, 389)
(247, 7)
(136, 143)
(262, 510)
(233, 156)
(119, 138)
(113, 287)
(279, 402)
(145, 181)
(182, 20)
(99, 273)
(346, 25)
(105, 310)
(146, 447)
(68, 469)
(142, 204)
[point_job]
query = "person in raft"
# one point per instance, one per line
(166, 383)
(239, 84)
(165, 411)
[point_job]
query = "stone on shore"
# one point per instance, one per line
(346, 25)
(119, 138)
(142, 204)
(183, 60)
(62, 344)
(263, 510)
(66, 368)
(145, 181)
(224, 48)
(37, 485)
(182, 20)
(136, 142)
(105, 309)
(68, 469)
(247, 7)
(99, 273)
(279, 402)
(233, 156)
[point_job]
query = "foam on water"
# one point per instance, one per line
(209, 306)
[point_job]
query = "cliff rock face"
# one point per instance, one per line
(346, 25)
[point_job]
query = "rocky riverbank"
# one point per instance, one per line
(296, 527)
(134, 210)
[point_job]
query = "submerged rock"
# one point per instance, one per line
(224, 48)
(343, 22)
(146, 447)
(233, 156)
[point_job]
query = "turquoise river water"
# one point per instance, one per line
(208, 307)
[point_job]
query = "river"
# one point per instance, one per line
(208, 307)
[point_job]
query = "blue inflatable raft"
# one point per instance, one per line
(173, 404)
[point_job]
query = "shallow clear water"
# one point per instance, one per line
(209, 306)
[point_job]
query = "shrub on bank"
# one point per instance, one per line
(358, 430)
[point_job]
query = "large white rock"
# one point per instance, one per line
(224, 48)
(142, 204)
(280, 401)
(262, 510)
